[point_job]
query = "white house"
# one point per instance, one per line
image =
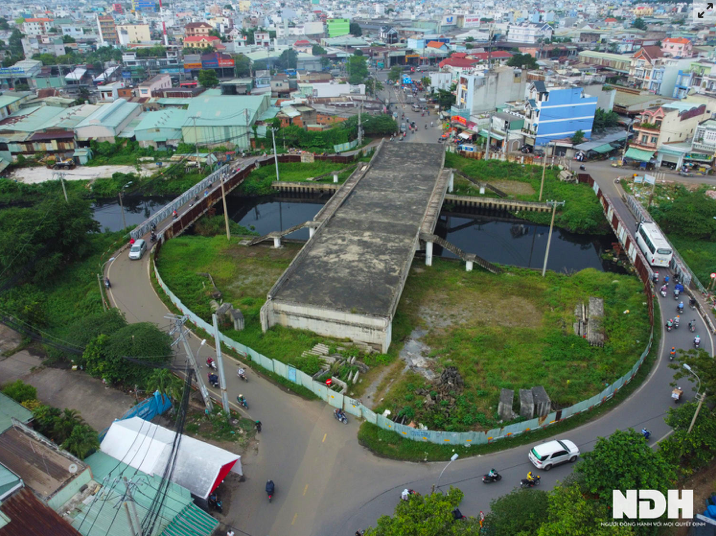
(528, 33)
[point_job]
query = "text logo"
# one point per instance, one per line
(651, 504)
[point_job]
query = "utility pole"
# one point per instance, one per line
(360, 137)
(275, 154)
(196, 138)
(121, 207)
(131, 509)
(99, 282)
(61, 176)
(549, 236)
(489, 130)
(544, 168)
(220, 364)
(179, 328)
(223, 200)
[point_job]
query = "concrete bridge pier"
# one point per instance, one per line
(311, 232)
(451, 182)
(468, 266)
(277, 242)
(428, 253)
(335, 178)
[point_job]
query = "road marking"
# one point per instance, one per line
(294, 518)
(324, 437)
(305, 490)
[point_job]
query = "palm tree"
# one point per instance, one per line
(165, 382)
(65, 423)
(81, 441)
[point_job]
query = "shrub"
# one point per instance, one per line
(20, 392)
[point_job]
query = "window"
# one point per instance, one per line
(654, 139)
(646, 240)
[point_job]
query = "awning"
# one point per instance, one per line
(464, 135)
(603, 148)
(638, 154)
(493, 136)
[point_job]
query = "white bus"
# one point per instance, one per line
(653, 244)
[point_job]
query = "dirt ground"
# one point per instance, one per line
(34, 175)
(703, 484)
(513, 187)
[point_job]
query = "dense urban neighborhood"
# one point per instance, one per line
(256, 256)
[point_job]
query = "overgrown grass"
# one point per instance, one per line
(581, 213)
(217, 426)
(258, 183)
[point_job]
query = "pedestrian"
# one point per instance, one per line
(258, 426)
(229, 533)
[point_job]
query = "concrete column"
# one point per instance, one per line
(311, 232)
(335, 178)
(482, 190)
(277, 242)
(468, 266)
(428, 253)
(451, 183)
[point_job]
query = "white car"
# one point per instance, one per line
(137, 249)
(547, 455)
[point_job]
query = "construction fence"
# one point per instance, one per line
(355, 408)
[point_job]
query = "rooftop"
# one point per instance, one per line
(110, 115)
(171, 118)
(29, 517)
(224, 110)
(9, 409)
(356, 260)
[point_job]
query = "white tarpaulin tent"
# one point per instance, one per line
(200, 467)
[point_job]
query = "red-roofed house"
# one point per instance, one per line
(677, 47)
(496, 56)
(197, 29)
(647, 69)
(611, 21)
(304, 46)
(460, 63)
(459, 55)
(437, 45)
(37, 26)
(202, 41)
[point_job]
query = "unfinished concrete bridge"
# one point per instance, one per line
(347, 280)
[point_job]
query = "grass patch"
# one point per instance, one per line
(514, 331)
(217, 426)
(258, 183)
(581, 213)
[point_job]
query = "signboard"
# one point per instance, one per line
(12, 71)
(448, 20)
(226, 63)
(307, 158)
(471, 20)
(649, 179)
(407, 79)
(189, 66)
(208, 64)
(126, 74)
(458, 119)
(171, 70)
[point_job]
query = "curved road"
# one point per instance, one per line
(326, 484)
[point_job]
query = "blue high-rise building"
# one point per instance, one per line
(556, 113)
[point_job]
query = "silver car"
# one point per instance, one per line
(137, 249)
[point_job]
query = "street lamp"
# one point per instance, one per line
(701, 400)
(452, 459)
(203, 342)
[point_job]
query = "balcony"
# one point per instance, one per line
(644, 145)
(648, 127)
(700, 146)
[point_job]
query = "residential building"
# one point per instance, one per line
(110, 92)
(43, 44)
(647, 69)
(39, 26)
(485, 91)
(677, 47)
(10, 102)
(144, 5)
(133, 33)
(666, 133)
(160, 81)
(322, 90)
(262, 39)
(107, 30)
(203, 41)
(197, 29)
(297, 115)
(304, 46)
(106, 123)
(528, 32)
(704, 141)
(338, 27)
(616, 63)
(557, 112)
(72, 30)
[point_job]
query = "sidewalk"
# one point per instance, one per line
(98, 404)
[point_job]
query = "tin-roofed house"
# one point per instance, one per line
(107, 122)
(161, 128)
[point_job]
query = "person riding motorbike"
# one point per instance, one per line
(692, 303)
(530, 477)
(209, 362)
(669, 324)
(663, 290)
(339, 413)
(270, 486)
(697, 341)
(666, 279)
(107, 284)
(241, 373)
(677, 321)
(680, 307)
(672, 354)
(646, 433)
(492, 473)
(174, 214)
(692, 324)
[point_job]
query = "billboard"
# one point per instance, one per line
(448, 20)
(470, 21)
(190, 66)
(226, 62)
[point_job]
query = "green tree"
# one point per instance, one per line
(469, 39)
(623, 461)
(701, 363)
(288, 59)
(572, 513)
(445, 98)
(20, 391)
(165, 382)
(523, 61)
(318, 50)
(68, 39)
(208, 78)
(639, 24)
(372, 85)
(357, 69)
(46, 59)
(518, 513)
(325, 63)
(229, 7)
(395, 73)
(15, 43)
(355, 29)
(64, 424)
(249, 34)
(81, 441)
(689, 452)
(358, 52)
(604, 120)
(3, 24)
(425, 80)
(90, 326)
(578, 137)
(44, 419)
(373, 125)
(242, 65)
(429, 515)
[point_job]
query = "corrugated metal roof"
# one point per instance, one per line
(30, 119)
(7, 100)
(29, 517)
(220, 110)
(110, 115)
(9, 409)
(179, 515)
(173, 118)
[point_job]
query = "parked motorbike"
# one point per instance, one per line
(487, 479)
(215, 503)
(340, 416)
(526, 483)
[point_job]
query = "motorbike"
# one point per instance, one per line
(692, 326)
(669, 325)
(107, 284)
(215, 503)
(680, 309)
(407, 493)
(676, 322)
(672, 355)
(646, 433)
(582, 168)
(487, 479)
(211, 364)
(242, 402)
(676, 293)
(270, 488)
(697, 342)
(341, 417)
(663, 292)
(426, 126)
(526, 483)
(676, 395)
(213, 380)
(242, 376)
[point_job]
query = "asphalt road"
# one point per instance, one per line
(326, 484)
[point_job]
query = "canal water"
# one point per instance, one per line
(496, 238)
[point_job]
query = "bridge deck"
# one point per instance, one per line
(358, 260)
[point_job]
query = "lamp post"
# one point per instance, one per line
(701, 400)
(452, 459)
(549, 236)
